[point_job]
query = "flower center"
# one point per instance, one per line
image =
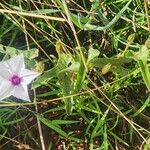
(15, 80)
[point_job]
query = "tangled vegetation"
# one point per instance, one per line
(93, 91)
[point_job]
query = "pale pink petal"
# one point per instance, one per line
(16, 64)
(6, 90)
(3, 66)
(5, 75)
(21, 92)
(28, 75)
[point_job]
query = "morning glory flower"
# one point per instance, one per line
(14, 78)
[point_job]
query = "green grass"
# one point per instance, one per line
(93, 93)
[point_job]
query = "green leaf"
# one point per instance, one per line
(111, 23)
(105, 139)
(113, 64)
(143, 64)
(79, 21)
(119, 139)
(80, 78)
(129, 54)
(30, 54)
(44, 78)
(61, 66)
(92, 53)
(147, 43)
(74, 67)
(53, 126)
(66, 86)
(106, 68)
(44, 11)
(147, 145)
(142, 108)
(63, 122)
(144, 52)
(116, 61)
(13, 121)
(10, 51)
(99, 126)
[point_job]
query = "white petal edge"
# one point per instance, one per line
(6, 90)
(21, 92)
(28, 75)
(3, 66)
(16, 64)
(5, 75)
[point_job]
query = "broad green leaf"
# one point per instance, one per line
(61, 66)
(79, 21)
(145, 73)
(116, 61)
(113, 64)
(45, 77)
(143, 64)
(30, 54)
(106, 68)
(66, 83)
(147, 43)
(80, 78)
(129, 54)
(66, 86)
(92, 53)
(74, 67)
(11, 51)
(144, 52)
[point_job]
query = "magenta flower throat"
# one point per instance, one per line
(15, 80)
